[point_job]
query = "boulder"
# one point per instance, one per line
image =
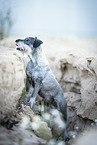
(12, 76)
(19, 136)
(35, 124)
(55, 122)
(43, 131)
(79, 75)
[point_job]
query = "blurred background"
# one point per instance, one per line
(51, 18)
(68, 29)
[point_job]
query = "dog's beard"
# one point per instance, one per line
(23, 48)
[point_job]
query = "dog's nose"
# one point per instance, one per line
(17, 40)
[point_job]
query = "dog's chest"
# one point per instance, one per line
(36, 72)
(32, 73)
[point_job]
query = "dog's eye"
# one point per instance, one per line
(27, 39)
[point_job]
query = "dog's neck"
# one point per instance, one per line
(38, 57)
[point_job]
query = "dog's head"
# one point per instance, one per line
(28, 44)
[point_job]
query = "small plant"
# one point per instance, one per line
(22, 100)
(5, 18)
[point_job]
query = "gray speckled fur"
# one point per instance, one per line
(40, 76)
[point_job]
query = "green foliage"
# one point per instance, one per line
(22, 100)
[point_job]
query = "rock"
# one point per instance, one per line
(88, 137)
(12, 76)
(35, 123)
(74, 121)
(79, 75)
(88, 96)
(52, 142)
(18, 136)
(24, 123)
(55, 122)
(43, 131)
(60, 143)
(72, 134)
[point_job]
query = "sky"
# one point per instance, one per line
(55, 18)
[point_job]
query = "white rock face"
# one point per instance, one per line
(80, 76)
(11, 80)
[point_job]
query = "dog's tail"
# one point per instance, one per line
(61, 104)
(62, 107)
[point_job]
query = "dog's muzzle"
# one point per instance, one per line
(17, 46)
(20, 49)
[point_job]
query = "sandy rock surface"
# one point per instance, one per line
(79, 75)
(11, 80)
(18, 136)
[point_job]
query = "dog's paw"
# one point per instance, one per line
(27, 96)
(32, 101)
(66, 138)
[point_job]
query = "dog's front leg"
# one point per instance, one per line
(35, 92)
(27, 89)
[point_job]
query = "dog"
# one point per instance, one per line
(40, 76)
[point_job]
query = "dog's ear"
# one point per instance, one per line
(37, 42)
